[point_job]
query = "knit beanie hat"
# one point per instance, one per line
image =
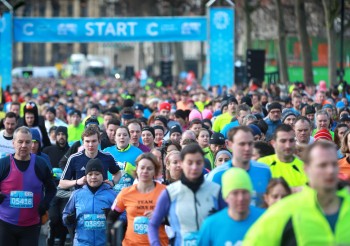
(223, 104)
(221, 152)
(35, 135)
(158, 127)
(165, 106)
(175, 128)
(207, 114)
(62, 129)
(94, 165)
(232, 99)
(180, 114)
(322, 86)
(52, 110)
(235, 178)
(323, 134)
(195, 114)
(150, 129)
(31, 107)
(340, 104)
(162, 119)
(310, 109)
(128, 103)
(255, 129)
(286, 113)
(247, 100)
(95, 106)
(274, 105)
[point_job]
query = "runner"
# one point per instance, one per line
(126, 155)
(139, 201)
(187, 202)
(241, 145)
(6, 135)
(27, 189)
(85, 209)
(235, 220)
(73, 175)
(284, 163)
(318, 215)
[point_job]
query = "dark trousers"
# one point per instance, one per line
(19, 235)
(57, 229)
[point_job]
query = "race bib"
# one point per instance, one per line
(21, 199)
(141, 225)
(191, 239)
(94, 221)
(125, 181)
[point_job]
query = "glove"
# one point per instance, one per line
(2, 197)
(106, 211)
(41, 209)
(113, 216)
(212, 211)
(71, 218)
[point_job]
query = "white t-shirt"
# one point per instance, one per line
(6, 146)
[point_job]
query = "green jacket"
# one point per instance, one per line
(292, 172)
(210, 156)
(299, 220)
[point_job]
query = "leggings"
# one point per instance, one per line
(19, 235)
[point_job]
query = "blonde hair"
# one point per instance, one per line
(171, 153)
(167, 161)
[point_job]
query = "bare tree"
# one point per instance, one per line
(247, 7)
(331, 11)
(281, 36)
(304, 41)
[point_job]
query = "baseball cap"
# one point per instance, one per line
(92, 120)
(75, 112)
(344, 117)
(217, 138)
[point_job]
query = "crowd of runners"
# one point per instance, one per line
(105, 161)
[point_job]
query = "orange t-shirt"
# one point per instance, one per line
(181, 105)
(344, 166)
(136, 204)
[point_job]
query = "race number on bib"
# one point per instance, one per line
(191, 239)
(21, 199)
(94, 221)
(141, 225)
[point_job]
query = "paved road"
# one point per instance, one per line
(43, 236)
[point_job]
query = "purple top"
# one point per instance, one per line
(23, 191)
(159, 213)
(144, 148)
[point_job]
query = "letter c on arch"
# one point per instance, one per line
(152, 29)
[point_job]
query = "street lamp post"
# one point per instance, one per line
(9, 6)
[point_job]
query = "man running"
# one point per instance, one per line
(27, 188)
(318, 215)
